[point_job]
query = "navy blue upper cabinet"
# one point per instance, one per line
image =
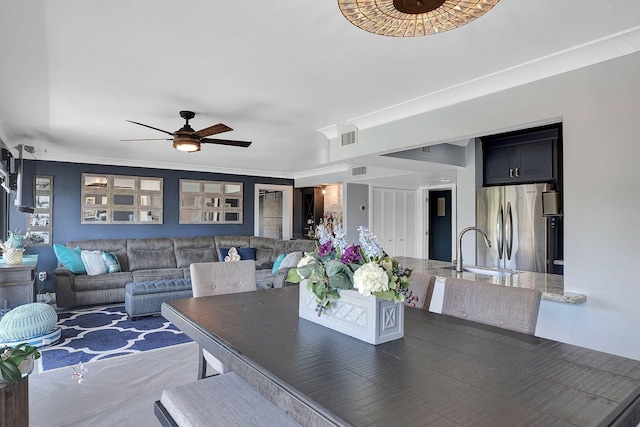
(519, 159)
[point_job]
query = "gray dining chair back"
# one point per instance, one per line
(215, 278)
(421, 286)
(502, 306)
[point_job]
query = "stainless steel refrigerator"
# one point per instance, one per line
(512, 217)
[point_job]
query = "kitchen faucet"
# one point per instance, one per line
(487, 242)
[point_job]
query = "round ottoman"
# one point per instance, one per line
(33, 323)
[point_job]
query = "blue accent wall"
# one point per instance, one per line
(67, 211)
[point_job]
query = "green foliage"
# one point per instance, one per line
(11, 359)
(293, 276)
(340, 275)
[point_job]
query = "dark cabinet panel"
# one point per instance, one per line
(534, 162)
(498, 162)
(515, 161)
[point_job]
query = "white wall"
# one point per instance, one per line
(600, 110)
(466, 204)
(356, 197)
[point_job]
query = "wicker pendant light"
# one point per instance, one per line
(412, 18)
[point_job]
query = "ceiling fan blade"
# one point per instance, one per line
(226, 142)
(212, 130)
(148, 139)
(150, 127)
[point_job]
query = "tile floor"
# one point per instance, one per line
(120, 391)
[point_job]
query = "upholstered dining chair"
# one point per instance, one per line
(216, 278)
(421, 286)
(506, 307)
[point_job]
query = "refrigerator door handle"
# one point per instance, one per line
(500, 231)
(509, 231)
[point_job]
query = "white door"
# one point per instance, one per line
(394, 221)
(410, 224)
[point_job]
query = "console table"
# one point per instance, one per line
(445, 371)
(17, 283)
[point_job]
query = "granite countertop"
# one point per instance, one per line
(551, 285)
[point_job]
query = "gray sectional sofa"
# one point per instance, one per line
(153, 259)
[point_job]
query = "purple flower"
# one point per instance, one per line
(351, 255)
(324, 249)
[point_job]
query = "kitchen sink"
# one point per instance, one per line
(487, 271)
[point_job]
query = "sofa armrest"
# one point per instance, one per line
(63, 280)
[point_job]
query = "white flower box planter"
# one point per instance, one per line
(369, 319)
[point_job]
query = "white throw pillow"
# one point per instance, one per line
(93, 262)
(291, 260)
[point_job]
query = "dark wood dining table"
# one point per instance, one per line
(444, 372)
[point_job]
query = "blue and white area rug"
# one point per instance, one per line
(101, 333)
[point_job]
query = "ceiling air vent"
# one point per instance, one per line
(362, 170)
(348, 138)
(348, 135)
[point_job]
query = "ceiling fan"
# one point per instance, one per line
(187, 139)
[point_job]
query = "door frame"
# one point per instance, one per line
(287, 208)
(423, 215)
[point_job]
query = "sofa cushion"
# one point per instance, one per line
(267, 249)
(264, 279)
(265, 256)
(145, 254)
(93, 262)
(71, 259)
(84, 283)
(194, 249)
(157, 274)
(299, 245)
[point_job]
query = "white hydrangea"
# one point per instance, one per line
(369, 278)
(305, 260)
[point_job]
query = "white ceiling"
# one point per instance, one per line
(73, 71)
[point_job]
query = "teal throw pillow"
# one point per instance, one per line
(111, 262)
(71, 259)
(277, 262)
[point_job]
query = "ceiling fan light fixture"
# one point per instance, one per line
(188, 140)
(412, 18)
(188, 145)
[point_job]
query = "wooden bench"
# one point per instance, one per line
(506, 307)
(222, 400)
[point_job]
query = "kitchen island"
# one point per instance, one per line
(551, 285)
